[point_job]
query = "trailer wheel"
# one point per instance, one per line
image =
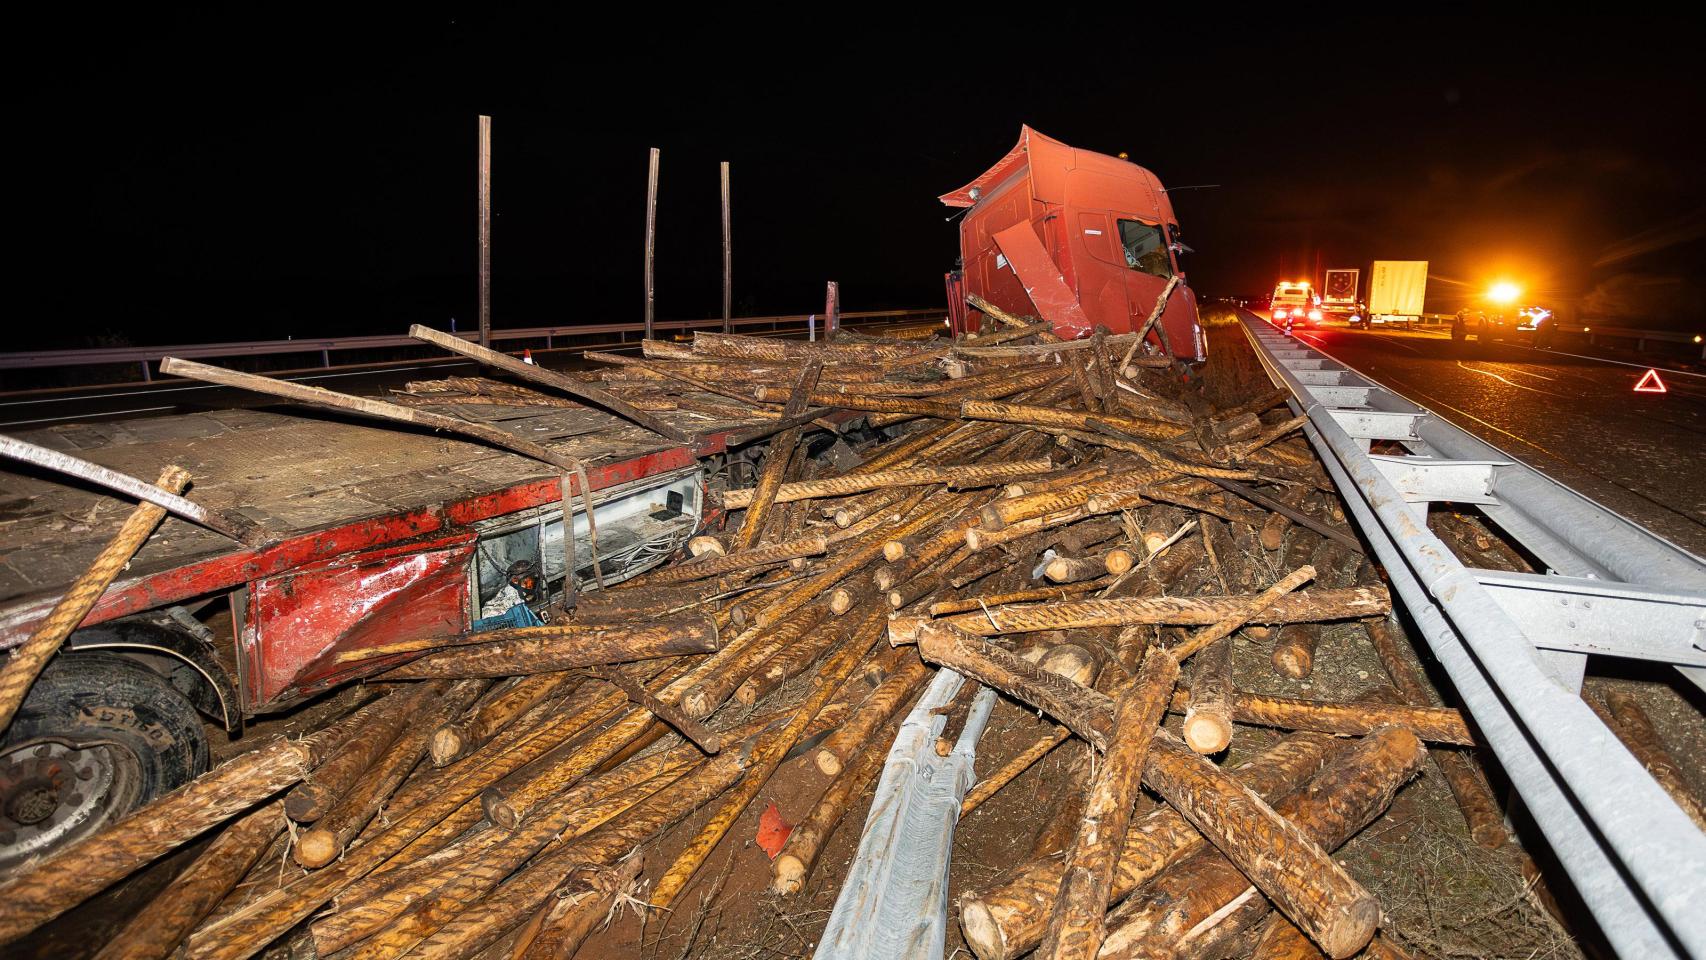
(98, 736)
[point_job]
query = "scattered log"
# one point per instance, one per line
(960, 476)
(1075, 926)
(1632, 726)
(380, 723)
(20, 670)
(1198, 899)
(592, 645)
(1007, 920)
(1481, 812)
(1208, 712)
(455, 740)
(550, 649)
(71, 874)
(1244, 613)
(581, 904)
(1307, 607)
(157, 929)
(793, 864)
(718, 564)
(860, 732)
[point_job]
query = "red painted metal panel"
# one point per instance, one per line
(1055, 301)
(298, 620)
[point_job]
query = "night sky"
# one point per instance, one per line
(230, 176)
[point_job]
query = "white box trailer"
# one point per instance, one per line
(1396, 289)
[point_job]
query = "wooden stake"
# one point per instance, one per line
(651, 232)
(728, 253)
(549, 649)
(485, 190)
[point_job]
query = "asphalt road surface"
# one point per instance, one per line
(1576, 418)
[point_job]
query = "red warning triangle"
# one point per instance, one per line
(1650, 383)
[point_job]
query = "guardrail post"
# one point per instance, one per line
(651, 233)
(485, 231)
(325, 357)
(146, 377)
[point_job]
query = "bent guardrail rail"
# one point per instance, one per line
(1515, 645)
(894, 901)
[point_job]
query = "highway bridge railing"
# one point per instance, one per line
(146, 358)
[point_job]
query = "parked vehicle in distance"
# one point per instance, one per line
(1499, 325)
(1396, 290)
(1295, 304)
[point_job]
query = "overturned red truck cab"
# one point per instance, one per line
(1079, 239)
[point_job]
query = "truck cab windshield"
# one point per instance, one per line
(1145, 248)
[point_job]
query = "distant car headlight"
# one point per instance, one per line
(1314, 314)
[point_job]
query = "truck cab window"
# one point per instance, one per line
(1145, 248)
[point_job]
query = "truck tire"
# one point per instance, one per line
(98, 736)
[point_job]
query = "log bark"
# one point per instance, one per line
(766, 756)
(20, 670)
(1075, 927)
(1632, 726)
(1294, 648)
(595, 643)
(438, 799)
(1305, 607)
(777, 461)
(1075, 569)
(1062, 592)
(702, 736)
(486, 920)
(1433, 724)
(1208, 712)
(382, 721)
(1481, 812)
(455, 740)
(968, 475)
(1198, 899)
(157, 929)
(794, 863)
(1008, 920)
(432, 704)
(801, 644)
(859, 733)
(1245, 612)
(550, 649)
(581, 905)
(1086, 712)
(391, 923)
(990, 785)
(718, 565)
(706, 344)
(1001, 512)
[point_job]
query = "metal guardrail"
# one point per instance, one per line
(326, 346)
(1515, 645)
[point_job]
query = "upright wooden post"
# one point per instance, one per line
(651, 233)
(485, 231)
(832, 310)
(728, 253)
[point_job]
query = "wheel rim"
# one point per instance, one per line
(54, 791)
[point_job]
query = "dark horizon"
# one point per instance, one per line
(230, 177)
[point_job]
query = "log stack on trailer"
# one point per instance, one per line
(1065, 523)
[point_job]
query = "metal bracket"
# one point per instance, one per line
(1596, 616)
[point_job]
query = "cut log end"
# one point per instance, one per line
(1354, 929)
(789, 874)
(840, 600)
(316, 848)
(307, 803)
(447, 745)
(1207, 734)
(893, 551)
(498, 809)
(1119, 561)
(705, 546)
(982, 933)
(884, 578)
(1292, 660)
(828, 763)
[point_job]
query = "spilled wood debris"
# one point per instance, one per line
(1065, 523)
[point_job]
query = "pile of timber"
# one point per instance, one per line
(1065, 522)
